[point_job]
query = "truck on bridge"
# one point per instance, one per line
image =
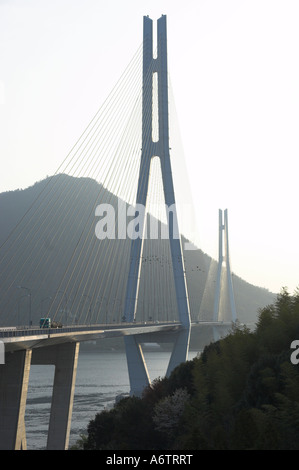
(48, 323)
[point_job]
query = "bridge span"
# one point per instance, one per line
(16, 339)
(31, 338)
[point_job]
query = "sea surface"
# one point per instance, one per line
(101, 377)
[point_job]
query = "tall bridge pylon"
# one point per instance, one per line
(224, 282)
(155, 146)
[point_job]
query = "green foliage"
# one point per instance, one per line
(168, 413)
(124, 427)
(79, 444)
(241, 393)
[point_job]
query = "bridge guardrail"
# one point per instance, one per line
(70, 329)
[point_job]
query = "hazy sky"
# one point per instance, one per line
(234, 66)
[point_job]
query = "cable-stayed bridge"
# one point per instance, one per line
(98, 251)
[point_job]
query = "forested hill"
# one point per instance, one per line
(59, 244)
(240, 394)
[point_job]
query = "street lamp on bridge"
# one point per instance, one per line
(90, 306)
(29, 295)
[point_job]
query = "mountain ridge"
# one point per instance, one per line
(63, 215)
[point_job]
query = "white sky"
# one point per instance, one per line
(234, 66)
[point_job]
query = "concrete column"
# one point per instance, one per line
(228, 271)
(138, 374)
(136, 364)
(223, 233)
(180, 350)
(14, 378)
(219, 269)
(65, 358)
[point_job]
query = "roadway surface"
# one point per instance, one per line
(35, 337)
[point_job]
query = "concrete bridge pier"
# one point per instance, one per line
(137, 369)
(180, 350)
(65, 359)
(14, 378)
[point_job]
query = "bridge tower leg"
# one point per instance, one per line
(223, 240)
(65, 359)
(160, 148)
(14, 379)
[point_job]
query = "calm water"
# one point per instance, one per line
(101, 376)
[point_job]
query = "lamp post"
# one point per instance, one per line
(66, 303)
(29, 295)
(106, 313)
(90, 303)
(19, 301)
(98, 301)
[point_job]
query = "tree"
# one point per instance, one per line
(241, 393)
(168, 411)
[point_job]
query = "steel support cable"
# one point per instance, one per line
(119, 179)
(161, 285)
(169, 272)
(87, 279)
(31, 218)
(145, 168)
(60, 168)
(181, 185)
(107, 250)
(117, 191)
(157, 253)
(156, 256)
(93, 209)
(114, 115)
(113, 97)
(148, 271)
(123, 178)
(113, 173)
(148, 138)
(127, 252)
(161, 254)
(129, 198)
(181, 182)
(116, 289)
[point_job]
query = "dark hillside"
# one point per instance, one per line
(241, 393)
(54, 249)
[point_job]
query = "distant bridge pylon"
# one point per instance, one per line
(224, 302)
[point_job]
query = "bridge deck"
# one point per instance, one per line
(39, 337)
(29, 338)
